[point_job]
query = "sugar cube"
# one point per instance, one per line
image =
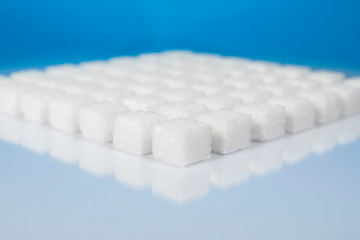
(230, 131)
(327, 105)
(300, 113)
(181, 142)
(64, 112)
(268, 121)
(143, 103)
(10, 95)
(97, 121)
(218, 102)
(35, 105)
(133, 131)
(181, 110)
(349, 98)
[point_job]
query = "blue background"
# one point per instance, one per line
(317, 33)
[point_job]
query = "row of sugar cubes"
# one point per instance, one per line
(180, 105)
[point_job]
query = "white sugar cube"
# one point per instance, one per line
(300, 113)
(231, 131)
(143, 103)
(181, 110)
(113, 96)
(349, 98)
(10, 96)
(326, 77)
(133, 131)
(279, 90)
(355, 81)
(268, 121)
(27, 76)
(327, 105)
(64, 112)
(35, 105)
(251, 95)
(181, 142)
(97, 121)
(218, 102)
(173, 96)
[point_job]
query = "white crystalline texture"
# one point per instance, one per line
(97, 121)
(251, 95)
(355, 82)
(10, 95)
(181, 110)
(195, 92)
(64, 112)
(349, 98)
(231, 131)
(143, 103)
(133, 131)
(181, 142)
(218, 102)
(268, 121)
(300, 113)
(326, 78)
(108, 95)
(327, 105)
(35, 105)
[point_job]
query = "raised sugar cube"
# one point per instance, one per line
(10, 96)
(300, 113)
(268, 121)
(143, 103)
(231, 131)
(35, 105)
(64, 112)
(327, 105)
(181, 142)
(181, 110)
(218, 102)
(97, 121)
(133, 131)
(349, 98)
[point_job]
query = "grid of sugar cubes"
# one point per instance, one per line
(179, 105)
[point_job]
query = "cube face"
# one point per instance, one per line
(35, 105)
(133, 131)
(326, 104)
(349, 98)
(10, 95)
(97, 121)
(181, 142)
(231, 131)
(300, 113)
(181, 110)
(268, 121)
(64, 112)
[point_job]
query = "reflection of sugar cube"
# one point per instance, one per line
(349, 98)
